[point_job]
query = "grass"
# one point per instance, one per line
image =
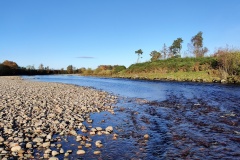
(178, 76)
(174, 65)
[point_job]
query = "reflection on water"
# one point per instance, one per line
(184, 120)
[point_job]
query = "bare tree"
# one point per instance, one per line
(164, 51)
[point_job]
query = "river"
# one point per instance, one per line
(184, 120)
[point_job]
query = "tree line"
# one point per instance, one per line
(174, 51)
(8, 68)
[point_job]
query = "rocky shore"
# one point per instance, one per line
(33, 113)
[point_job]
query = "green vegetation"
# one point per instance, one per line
(155, 55)
(167, 64)
(228, 64)
(181, 69)
(139, 53)
(175, 48)
(223, 67)
(105, 70)
(197, 45)
(8, 68)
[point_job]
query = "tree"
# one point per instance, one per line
(228, 61)
(30, 67)
(139, 52)
(176, 47)
(11, 64)
(197, 45)
(155, 55)
(47, 69)
(164, 51)
(41, 67)
(70, 69)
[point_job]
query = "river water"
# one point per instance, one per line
(184, 120)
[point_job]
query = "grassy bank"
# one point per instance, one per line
(177, 69)
(223, 67)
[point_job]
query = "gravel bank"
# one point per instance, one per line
(32, 112)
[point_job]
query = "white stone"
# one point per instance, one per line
(109, 129)
(80, 152)
(16, 148)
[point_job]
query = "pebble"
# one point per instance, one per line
(87, 145)
(97, 152)
(80, 152)
(54, 153)
(59, 145)
(40, 109)
(146, 136)
(98, 144)
(46, 144)
(16, 148)
(109, 129)
(53, 158)
(99, 128)
(66, 154)
(61, 151)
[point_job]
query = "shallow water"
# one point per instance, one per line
(184, 120)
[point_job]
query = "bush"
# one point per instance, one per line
(228, 61)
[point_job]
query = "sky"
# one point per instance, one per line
(89, 33)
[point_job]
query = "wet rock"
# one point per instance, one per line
(59, 145)
(73, 132)
(84, 130)
(54, 153)
(87, 145)
(146, 136)
(99, 128)
(80, 152)
(223, 81)
(109, 129)
(61, 151)
(66, 154)
(98, 144)
(97, 152)
(115, 136)
(69, 151)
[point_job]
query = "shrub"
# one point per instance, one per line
(228, 61)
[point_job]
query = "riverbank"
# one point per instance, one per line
(198, 77)
(33, 113)
(220, 68)
(201, 76)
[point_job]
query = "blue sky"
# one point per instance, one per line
(88, 33)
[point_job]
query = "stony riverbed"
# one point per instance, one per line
(31, 113)
(41, 120)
